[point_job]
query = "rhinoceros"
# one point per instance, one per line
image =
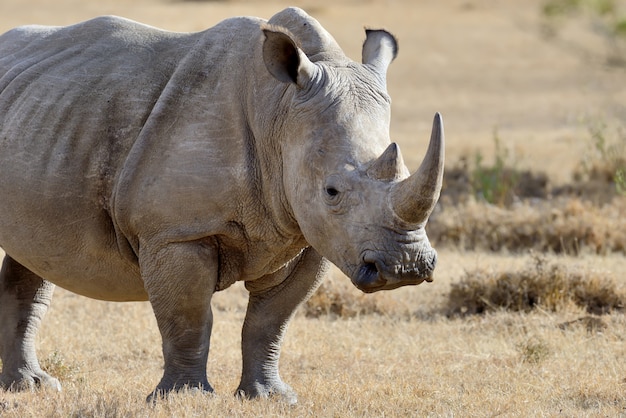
(140, 164)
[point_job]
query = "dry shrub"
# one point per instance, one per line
(595, 190)
(498, 184)
(56, 365)
(550, 286)
(338, 298)
(568, 226)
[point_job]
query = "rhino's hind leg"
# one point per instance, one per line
(269, 312)
(24, 300)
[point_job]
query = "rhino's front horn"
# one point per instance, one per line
(415, 197)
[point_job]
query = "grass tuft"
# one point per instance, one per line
(56, 365)
(534, 350)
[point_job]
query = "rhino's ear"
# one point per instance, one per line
(379, 49)
(284, 60)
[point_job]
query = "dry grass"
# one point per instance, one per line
(404, 358)
(500, 363)
(484, 65)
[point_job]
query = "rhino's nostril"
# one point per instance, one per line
(367, 278)
(370, 268)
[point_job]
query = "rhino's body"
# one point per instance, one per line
(97, 123)
(138, 164)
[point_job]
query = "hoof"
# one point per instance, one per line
(163, 393)
(282, 393)
(30, 381)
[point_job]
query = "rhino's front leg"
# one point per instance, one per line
(180, 280)
(269, 311)
(24, 300)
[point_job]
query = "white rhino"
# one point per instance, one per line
(139, 164)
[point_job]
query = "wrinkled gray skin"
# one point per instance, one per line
(138, 164)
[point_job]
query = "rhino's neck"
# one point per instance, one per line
(267, 108)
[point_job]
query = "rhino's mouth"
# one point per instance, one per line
(373, 275)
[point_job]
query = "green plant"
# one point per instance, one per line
(606, 160)
(57, 365)
(495, 184)
(620, 181)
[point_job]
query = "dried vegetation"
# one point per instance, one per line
(501, 207)
(559, 225)
(544, 285)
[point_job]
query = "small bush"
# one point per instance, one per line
(606, 161)
(335, 299)
(500, 184)
(601, 174)
(495, 184)
(56, 365)
(549, 286)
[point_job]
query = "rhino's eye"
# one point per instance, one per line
(332, 192)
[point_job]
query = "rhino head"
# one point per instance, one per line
(346, 183)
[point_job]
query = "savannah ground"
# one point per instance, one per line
(491, 70)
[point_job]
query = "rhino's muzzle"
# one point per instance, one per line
(373, 275)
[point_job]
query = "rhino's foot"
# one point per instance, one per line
(277, 390)
(162, 392)
(25, 380)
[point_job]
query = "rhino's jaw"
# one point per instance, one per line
(374, 275)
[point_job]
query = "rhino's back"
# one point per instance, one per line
(73, 101)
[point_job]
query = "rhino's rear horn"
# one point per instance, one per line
(414, 198)
(389, 166)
